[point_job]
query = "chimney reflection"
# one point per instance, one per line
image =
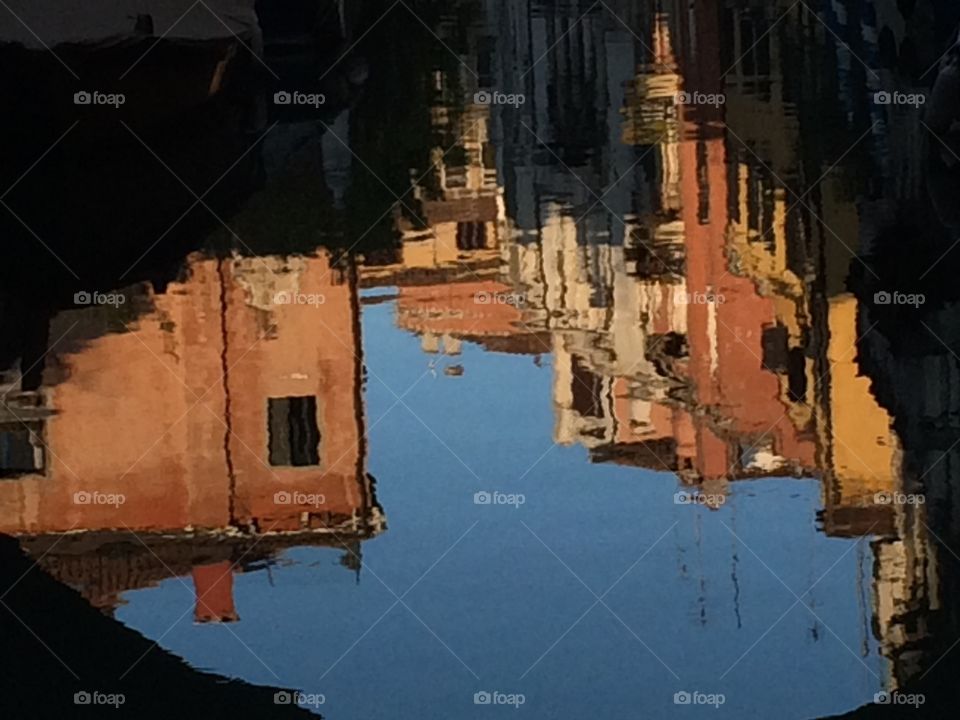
(214, 591)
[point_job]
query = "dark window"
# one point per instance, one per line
(587, 391)
(486, 51)
(471, 236)
(754, 209)
(294, 434)
(20, 452)
(755, 36)
(776, 349)
(489, 155)
(797, 375)
(703, 184)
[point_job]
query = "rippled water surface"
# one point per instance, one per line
(442, 360)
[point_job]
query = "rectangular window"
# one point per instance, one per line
(587, 390)
(471, 236)
(776, 348)
(294, 434)
(21, 452)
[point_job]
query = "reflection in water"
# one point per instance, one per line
(690, 222)
(166, 409)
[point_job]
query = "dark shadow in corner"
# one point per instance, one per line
(38, 611)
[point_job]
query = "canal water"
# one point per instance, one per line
(444, 360)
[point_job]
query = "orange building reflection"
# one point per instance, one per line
(227, 406)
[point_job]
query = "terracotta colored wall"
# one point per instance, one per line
(116, 426)
(725, 339)
(453, 309)
(127, 421)
(314, 352)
